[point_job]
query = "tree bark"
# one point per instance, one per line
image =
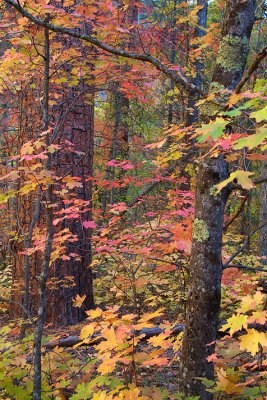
(37, 360)
(206, 264)
(263, 218)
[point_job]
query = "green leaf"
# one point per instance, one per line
(252, 141)
(83, 392)
(214, 129)
(260, 115)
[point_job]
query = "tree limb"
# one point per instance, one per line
(242, 248)
(178, 78)
(2, 299)
(260, 56)
(236, 214)
(245, 267)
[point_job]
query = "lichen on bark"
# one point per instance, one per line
(209, 108)
(200, 231)
(229, 59)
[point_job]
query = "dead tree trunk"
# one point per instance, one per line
(206, 265)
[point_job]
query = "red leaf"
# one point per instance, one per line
(89, 224)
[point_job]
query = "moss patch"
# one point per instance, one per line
(233, 52)
(200, 231)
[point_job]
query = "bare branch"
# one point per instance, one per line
(242, 248)
(260, 56)
(236, 214)
(245, 267)
(2, 299)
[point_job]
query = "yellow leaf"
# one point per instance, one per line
(251, 341)
(148, 316)
(78, 301)
(107, 366)
(27, 148)
(94, 313)
(259, 317)
(102, 395)
(236, 323)
(227, 382)
(87, 331)
(110, 335)
(250, 302)
(242, 178)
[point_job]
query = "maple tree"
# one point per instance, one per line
(132, 153)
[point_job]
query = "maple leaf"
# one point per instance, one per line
(11, 176)
(235, 323)
(94, 313)
(227, 382)
(127, 166)
(87, 331)
(118, 208)
(78, 301)
(53, 148)
(72, 182)
(27, 148)
(112, 163)
(251, 341)
(259, 317)
(213, 357)
(250, 302)
(242, 178)
(215, 129)
(260, 115)
(165, 268)
(156, 145)
(107, 366)
(252, 141)
(89, 224)
(160, 361)
(110, 335)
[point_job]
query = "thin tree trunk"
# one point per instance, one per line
(206, 265)
(173, 28)
(37, 362)
(27, 272)
(263, 218)
(193, 114)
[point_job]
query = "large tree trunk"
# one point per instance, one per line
(79, 129)
(206, 265)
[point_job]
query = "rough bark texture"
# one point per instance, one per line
(206, 265)
(206, 268)
(263, 218)
(232, 56)
(79, 129)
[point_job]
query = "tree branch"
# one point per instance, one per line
(178, 78)
(242, 248)
(245, 267)
(236, 214)
(260, 56)
(2, 299)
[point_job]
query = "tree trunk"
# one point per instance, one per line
(206, 265)
(263, 218)
(79, 129)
